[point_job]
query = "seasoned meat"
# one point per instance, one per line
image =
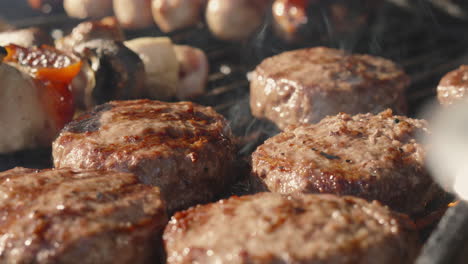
(133, 14)
(171, 15)
(303, 86)
(66, 216)
(88, 8)
(376, 157)
(27, 37)
(235, 20)
(453, 86)
(184, 148)
(104, 29)
(269, 228)
(193, 73)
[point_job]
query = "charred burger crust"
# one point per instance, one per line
(89, 122)
(184, 148)
(373, 157)
(108, 215)
(303, 86)
(261, 228)
(453, 86)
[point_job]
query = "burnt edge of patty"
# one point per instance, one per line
(89, 122)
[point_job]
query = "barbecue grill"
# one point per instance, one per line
(427, 42)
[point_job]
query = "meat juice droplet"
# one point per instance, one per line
(28, 242)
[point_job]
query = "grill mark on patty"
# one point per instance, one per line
(47, 187)
(42, 207)
(89, 122)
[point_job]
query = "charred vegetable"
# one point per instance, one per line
(36, 88)
(106, 28)
(118, 72)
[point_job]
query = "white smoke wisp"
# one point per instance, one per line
(447, 156)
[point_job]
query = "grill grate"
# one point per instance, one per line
(426, 48)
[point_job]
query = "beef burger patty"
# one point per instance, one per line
(269, 228)
(66, 216)
(303, 86)
(184, 148)
(376, 157)
(453, 86)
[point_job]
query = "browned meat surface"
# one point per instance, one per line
(453, 86)
(269, 228)
(184, 148)
(26, 37)
(65, 216)
(303, 86)
(376, 157)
